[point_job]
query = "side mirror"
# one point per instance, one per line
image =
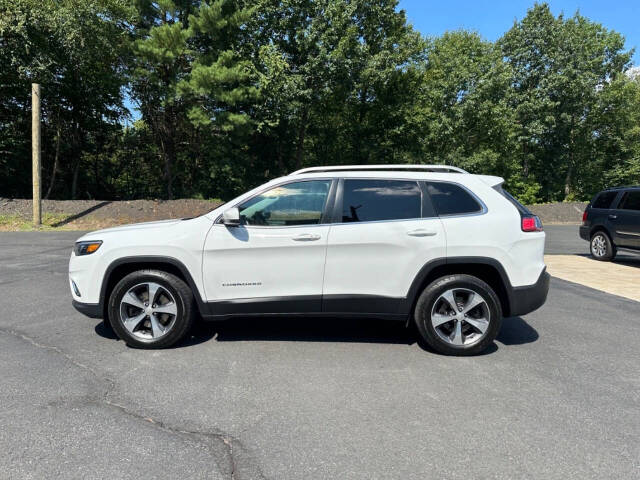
(231, 217)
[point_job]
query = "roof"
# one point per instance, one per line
(625, 187)
(391, 167)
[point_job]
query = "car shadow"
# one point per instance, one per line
(200, 333)
(312, 329)
(514, 331)
(622, 258)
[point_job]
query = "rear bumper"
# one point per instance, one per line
(531, 297)
(584, 233)
(91, 310)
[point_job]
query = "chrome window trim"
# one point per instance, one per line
(483, 208)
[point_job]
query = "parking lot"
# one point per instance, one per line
(556, 396)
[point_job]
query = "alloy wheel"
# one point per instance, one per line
(148, 311)
(599, 245)
(460, 317)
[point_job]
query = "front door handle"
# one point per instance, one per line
(613, 217)
(306, 237)
(421, 232)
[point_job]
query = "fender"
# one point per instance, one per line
(153, 260)
(419, 281)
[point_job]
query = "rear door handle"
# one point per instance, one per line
(613, 217)
(306, 237)
(421, 232)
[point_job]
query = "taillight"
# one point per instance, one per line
(531, 223)
(584, 216)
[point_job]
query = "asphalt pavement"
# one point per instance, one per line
(556, 396)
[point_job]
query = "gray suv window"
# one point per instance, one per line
(604, 200)
(631, 200)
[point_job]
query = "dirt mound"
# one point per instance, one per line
(92, 214)
(15, 214)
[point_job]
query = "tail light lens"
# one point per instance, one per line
(531, 223)
(584, 216)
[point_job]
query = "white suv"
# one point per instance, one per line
(449, 250)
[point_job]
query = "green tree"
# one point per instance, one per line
(75, 49)
(560, 67)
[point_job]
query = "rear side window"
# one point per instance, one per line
(375, 200)
(604, 200)
(630, 201)
(451, 199)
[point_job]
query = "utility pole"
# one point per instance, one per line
(35, 152)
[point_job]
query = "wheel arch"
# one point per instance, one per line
(599, 228)
(486, 269)
(121, 267)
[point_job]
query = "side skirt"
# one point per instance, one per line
(362, 306)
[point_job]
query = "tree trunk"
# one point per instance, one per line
(567, 182)
(74, 183)
(55, 164)
(301, 133)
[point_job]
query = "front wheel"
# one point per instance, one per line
(602, 247)
(458, 315)
(151, 309)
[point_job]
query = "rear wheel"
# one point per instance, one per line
(458, 315)
(151, 309)
(602, 247)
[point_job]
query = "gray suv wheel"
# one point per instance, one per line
(601, 247)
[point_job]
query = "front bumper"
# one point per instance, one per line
(531, 297)
(91, 310)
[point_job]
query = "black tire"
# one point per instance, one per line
(466, 283)
(607, 250)
(184, 303)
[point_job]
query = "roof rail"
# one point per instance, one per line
(344, 168)
(622, 187)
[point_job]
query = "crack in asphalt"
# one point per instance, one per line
(206, 438)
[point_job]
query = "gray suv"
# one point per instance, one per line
(612, 221)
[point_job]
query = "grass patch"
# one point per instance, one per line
(16, 223)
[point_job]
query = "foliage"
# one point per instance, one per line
(228, 93)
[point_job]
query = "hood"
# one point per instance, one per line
(133, 226)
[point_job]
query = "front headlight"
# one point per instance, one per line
(86, 248)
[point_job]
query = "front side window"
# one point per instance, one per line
(299, 203)
(630, 201)
(376, 200)
(604, 200)
(451, 199)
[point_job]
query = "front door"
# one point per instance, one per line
(274, 261)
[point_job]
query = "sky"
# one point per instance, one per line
(492, 18)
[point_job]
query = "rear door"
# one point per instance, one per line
(383, 232)
(602, 213)
(627, 220)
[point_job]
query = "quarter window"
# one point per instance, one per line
(451, 199)
(604, 200)
(375, 200)
(631, 201)
(299, 203)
